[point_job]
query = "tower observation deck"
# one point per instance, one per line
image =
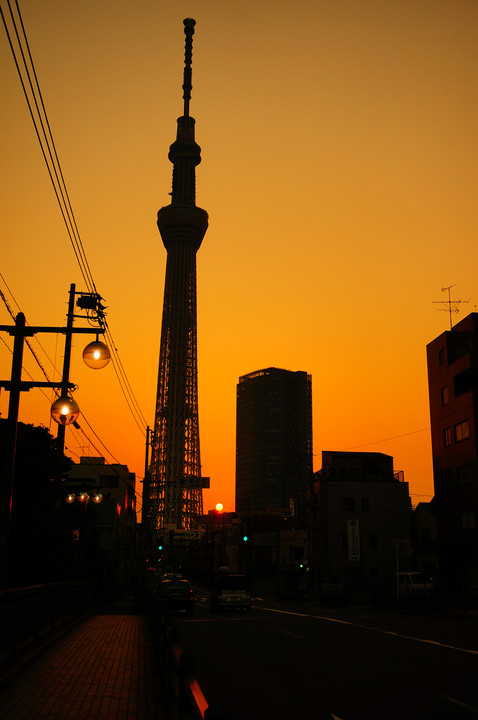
(174, 488)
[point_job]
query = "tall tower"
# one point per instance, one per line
(174, 492)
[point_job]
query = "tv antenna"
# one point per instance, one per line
(451, 306)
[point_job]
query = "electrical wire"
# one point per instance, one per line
(50, 155)
(2, 296)
(395, 437)
(53, 167)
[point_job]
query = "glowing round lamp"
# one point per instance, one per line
(97, 497)
(96, 355)
(65, 411)
(70, 498)
(83, 497)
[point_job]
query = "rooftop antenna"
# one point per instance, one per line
(451, 306)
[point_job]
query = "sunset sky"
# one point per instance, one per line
(340, 173)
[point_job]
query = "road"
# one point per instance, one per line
(308, 663)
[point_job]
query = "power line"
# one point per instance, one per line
(395, 437)
(50, 156)
(53, 167)
(2, 296)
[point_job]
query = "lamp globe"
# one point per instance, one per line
(65, 411)
(96, 355)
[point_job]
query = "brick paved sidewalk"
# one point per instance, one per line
(102, 670)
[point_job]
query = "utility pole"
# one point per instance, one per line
(16, 385)
(65, 385)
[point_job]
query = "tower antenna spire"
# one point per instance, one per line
(189, 24)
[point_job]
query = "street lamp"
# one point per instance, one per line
(65, 411)
(84, 497)
(96, 355)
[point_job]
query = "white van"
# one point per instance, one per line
(231, 591)
(413, 585)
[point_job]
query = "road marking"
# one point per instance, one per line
(375, 629)
(287, 632)
(461, 704)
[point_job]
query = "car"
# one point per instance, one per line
(231, 591)
(411, 585)
(175, 595)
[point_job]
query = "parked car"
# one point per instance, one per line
(175, 595)
(413, 585)
(231, 591)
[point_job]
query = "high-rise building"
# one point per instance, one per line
(173, 492)
(452, 360)
(273, 441)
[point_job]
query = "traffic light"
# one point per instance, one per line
(245, 538)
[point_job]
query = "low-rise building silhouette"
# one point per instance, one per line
(452, 360)
(424, 539)
(361, 529)
(104, 531)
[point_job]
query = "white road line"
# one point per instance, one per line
(286, 632)
(375, 629)
(461, 704)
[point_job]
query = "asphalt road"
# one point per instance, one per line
(308, 663)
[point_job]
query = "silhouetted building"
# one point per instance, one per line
(273, 442)
(452, 360)
(173, 488)
(362, 525)
(99, 505)
(424, 539)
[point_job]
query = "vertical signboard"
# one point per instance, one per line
(353, 533)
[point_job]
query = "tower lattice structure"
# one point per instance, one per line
(174, 491)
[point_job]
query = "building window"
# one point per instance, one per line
(441, 356)
(449, 477)
(463, 475)
(447, 437)
(348, 504)
(462, 431)
(425, 534)
(444, 396)
(365, 505)
(468, 520)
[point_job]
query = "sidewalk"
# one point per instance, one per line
(101, 670)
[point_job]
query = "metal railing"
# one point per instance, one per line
(30, 617)
(184, 698)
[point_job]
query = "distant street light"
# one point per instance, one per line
(84, 497)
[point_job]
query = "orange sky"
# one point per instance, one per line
(340, 174)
